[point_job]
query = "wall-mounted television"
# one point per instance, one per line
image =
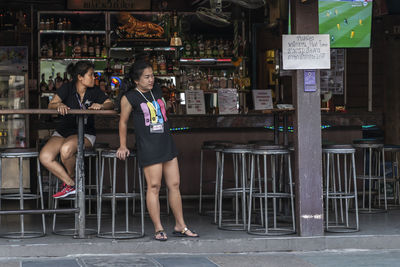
(348, 22)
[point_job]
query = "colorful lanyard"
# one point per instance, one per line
(155, 107)
(79, 101)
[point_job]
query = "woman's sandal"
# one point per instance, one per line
(162, 236)
(183, 233)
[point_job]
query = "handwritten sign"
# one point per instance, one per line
(262, 99)
(310, 51)
(228, 101)
(195, 102)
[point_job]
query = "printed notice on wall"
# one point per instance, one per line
(311, 51)
(262, 99)
(228, 101)
(195, 102)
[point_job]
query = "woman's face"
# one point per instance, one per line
(146, 81)
(88, 79)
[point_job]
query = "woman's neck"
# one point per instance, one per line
(80, 88)
(142, 90)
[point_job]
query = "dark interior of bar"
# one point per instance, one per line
(219, 126)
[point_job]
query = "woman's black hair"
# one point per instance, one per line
(128, 83)
(79, 68)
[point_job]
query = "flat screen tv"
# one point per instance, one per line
(348, 22)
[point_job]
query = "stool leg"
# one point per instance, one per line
(291, 193)
(327, 191)
(260, 189)
(265, 193)
(113, 200)
(201, 180)
(90, 186)
(384, 179)
(134, 185)
(221, 180)
(250, 192)
(21, 193)
(141, 198)
(235, 171)
(126, 199)
(99, 195)
(244, 178)
(39, 175)
(217, 175)
(353, 163)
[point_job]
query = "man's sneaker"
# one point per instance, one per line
(65, 191)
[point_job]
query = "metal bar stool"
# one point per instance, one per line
(340, 187)
(113, 195)
(275, 174)
(91, 155)
(392, 153)
(373, 159)
(208, 146)
(21, 155)
(239, 153)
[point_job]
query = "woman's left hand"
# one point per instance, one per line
(96, 106)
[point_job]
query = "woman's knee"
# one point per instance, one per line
(174, 185)
(154, 188)
(45, 157)
(67, 151)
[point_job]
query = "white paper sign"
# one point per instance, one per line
(262, 99)
(309, 51)
(228, 101)
(195, 102)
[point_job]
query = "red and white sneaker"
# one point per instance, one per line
(65, 191)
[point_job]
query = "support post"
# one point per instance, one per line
(307, 138)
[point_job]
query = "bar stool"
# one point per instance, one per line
(208, 146)
(373, 159)
(392, 155)
(239, 153)
(113, 195)
(21, 155)
(275, 183)
(91, 155)
(339, 180)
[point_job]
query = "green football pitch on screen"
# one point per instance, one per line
(348, 23)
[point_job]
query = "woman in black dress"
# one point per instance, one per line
(156, 150)
(78, 94)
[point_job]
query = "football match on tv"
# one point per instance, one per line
(348, 22)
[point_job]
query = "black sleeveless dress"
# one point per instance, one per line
(153, 146)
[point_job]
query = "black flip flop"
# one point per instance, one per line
(184, 234)
(162, 234)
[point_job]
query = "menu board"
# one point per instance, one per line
(195, 102)
(332, 80)
(228, 101)
(262, 99)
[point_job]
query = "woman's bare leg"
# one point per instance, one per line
(172, 180)
(68, 153)
(153, 174)
(48, 156)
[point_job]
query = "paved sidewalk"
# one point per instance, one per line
(348, 258)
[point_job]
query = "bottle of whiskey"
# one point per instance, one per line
(91, 47)
(77, 48)
(97, 50)
(43, 85)
(84, 48)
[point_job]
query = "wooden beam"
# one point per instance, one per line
(307, 128)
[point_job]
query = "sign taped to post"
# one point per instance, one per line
(308, 51)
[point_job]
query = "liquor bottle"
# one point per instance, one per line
(215, 49)
(50, 50)
(59, 24)
(221, 49)
(69, 24)
(43, 85)
(62, 47)
(97, 49)
(77, 48)
(47, 25)
(104, 49)
(50, 83)
(69, 48)
(195, 48)
(65, 80)
(84, 51)
(208, 49)
(59, 81)
(163, 65)
(202, 52)
(64, 24)
(42, 24)
(188, 48)
(91, 47)
(155, 65)
(52, 25)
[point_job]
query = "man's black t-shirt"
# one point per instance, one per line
(151, 147)
(67, 125)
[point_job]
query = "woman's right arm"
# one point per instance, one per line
(126, 109)
(56, 103)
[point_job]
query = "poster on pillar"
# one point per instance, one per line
(306, 51)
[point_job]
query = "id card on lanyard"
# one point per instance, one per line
(157, 126)
(82, 106)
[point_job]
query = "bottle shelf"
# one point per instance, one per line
(206, 62)
(71, 32)
(73, 58)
